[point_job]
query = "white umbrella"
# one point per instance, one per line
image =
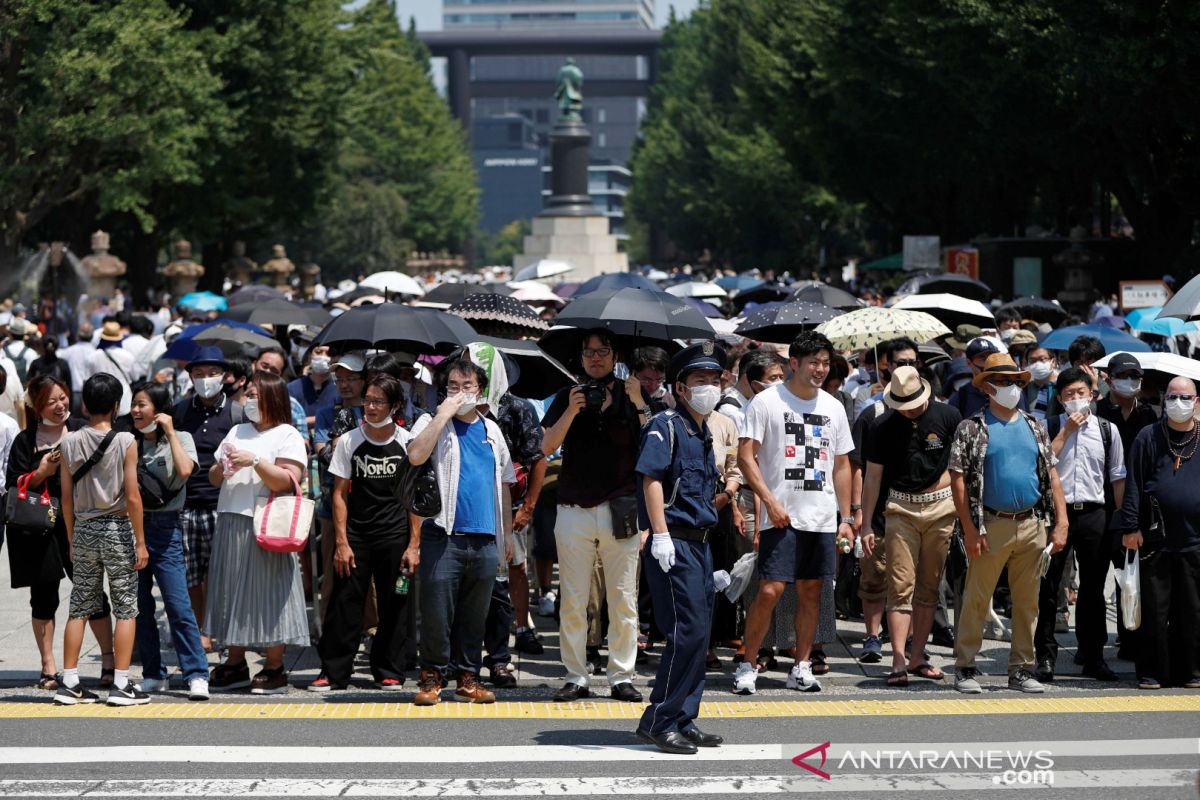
(657, 275)
(1166, 363)
(394, 282)
(697, 289)
(1184, 304)
(949, 308)
(534, 292)
(546, 268)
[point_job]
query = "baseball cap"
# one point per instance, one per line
(352, 361)
(1122, 363)
(980, 346)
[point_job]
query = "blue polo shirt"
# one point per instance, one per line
(305, 392)
(1010, 476)
(475, 506)
(689, 476)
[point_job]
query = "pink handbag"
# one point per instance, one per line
(282, 521)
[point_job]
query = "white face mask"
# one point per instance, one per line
(1008, 396)
(1180, 411)
(659, 393)
(251, 409)
(209, 388)
(470, 400)
(1126, 387)
(1040, 370)
(1007, 335)
(378, 425)
(1077, 406)
(151, 428)
(703, 399)
(320, 365)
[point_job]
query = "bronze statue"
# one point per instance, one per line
(569, 92)
(238, 268)
(310, 276)
(280, 266)
(102, 267)
(183, 273)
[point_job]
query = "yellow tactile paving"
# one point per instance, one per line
(249, 710)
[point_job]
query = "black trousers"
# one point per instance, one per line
(500, 618)
(1089, 539)
(342, 631)
(1167, 638)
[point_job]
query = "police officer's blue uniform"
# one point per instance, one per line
(678, 453)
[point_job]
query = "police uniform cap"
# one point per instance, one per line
(704, 355)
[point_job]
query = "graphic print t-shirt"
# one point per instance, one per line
(799, 441)
(373, 506)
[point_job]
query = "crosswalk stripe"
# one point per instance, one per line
(856, 785)
(953, 705)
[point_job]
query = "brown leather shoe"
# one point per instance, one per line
(429, 688)
(471, 691)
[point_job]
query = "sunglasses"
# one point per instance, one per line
(1187, 398)
(1006, 382)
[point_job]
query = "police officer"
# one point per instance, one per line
(679, 479)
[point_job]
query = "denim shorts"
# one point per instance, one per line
(789, 555)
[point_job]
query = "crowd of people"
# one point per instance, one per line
(995, 480)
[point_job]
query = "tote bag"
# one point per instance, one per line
(282, 521)
(35, 513)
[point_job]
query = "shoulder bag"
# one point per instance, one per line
(419, 490)
(33, 513)
(282, 521)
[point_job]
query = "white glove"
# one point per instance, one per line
(662, 549)
(721, 580)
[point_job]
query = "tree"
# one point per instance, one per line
(499, 248)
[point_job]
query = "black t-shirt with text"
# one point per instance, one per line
(374, 510)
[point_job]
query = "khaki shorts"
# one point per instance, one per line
(918, 540)
(872, 582)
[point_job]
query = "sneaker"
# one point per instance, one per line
(1023, 680)
(1143, 683)
(502, 677)
(966, 680)
(77, 696)
(270, 681)
(129, 696)
(872, 650)
(1192, 683)
(470, 690)
(527, 642)
(198, 689)
(225, 678)
(387, 684)
(546, 602)
(153, 685)
(429, 688)
(745, 678)
(801, 678)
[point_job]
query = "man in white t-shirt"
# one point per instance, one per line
(793, 453)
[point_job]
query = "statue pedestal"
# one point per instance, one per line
(101, 286)
(181, 285)
(582, 241)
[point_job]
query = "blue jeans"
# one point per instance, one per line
(457, 573)
(164, 540)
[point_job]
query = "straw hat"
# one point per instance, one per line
(1000, 364)
(111, 331)
(906, 390)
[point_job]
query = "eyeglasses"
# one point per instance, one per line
(906, 362)
(1006, 382)
(599, 352)
(376, 402)
(1187, 398)
(465, 387)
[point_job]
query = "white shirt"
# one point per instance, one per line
(736, 413)
(136, 345)
(115, 361)
(13, 396)
(1081, 462)
(77, 356)
(8, 432)
(21, 350)
(799, 440)
(240, 492)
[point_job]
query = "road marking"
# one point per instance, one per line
(514, 754)
(1097, 780)
(955, 705)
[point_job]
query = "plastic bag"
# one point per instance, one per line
(740, 576)
(1129, 581)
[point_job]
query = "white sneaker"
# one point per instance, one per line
(198, 689)
(546, 604)
(801, 678)
(153, 685)
(745, 678)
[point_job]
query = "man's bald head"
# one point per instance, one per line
(1181, 385)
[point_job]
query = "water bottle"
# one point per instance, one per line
(858, 548)
(843, 544)
(402, 581)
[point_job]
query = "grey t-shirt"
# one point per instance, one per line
(102, 490)
(156, 458)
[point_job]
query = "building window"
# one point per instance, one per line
(601, 117)
(601, 139)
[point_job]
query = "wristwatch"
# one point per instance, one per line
(254, 463)
(855, 507)
(848, 521)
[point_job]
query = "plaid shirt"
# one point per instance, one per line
(967, 454)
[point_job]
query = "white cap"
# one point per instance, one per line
(352, 361)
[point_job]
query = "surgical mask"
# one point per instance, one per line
(1007, 336)
(378, 425)
(1180, 411)
(1126, 387)
(1008, 396)
(320, 365)
(151, 428)
(703, 399)
(1040, 370)
(251, 409)
(470, 400)
(659, 393)
(1077, 406)
(209, 388)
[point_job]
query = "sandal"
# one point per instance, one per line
(765, 661)
(897, 679)
(712, 662)
(107, 674)
(928, 671)
(48, 682)
(819, 665)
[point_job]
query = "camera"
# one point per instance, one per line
(594, 395)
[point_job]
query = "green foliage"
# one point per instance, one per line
(500, 247)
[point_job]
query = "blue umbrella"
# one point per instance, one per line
(231, 336)
(1140, 316)
(1166, 326)
(1111, 338)
(1116, 321)
(614, 281)
(707, 309)
(203, 301)
(738, 282)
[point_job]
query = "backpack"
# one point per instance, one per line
(727, 401)
(19, 361)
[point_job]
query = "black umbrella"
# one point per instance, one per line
(781, 323)
(356, 294)
(948, 282)
(766, 293)
(390, 326)
(826, 295)
(453, 293)
(539, 374)
(491, 310)
(1037, 309)
(615, 281)
(277, 312)
(255, 293)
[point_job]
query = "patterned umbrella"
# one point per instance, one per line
(451, 293)
(780, 323)
(500, 309)
(867, 327)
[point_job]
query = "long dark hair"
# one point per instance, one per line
(274, 405)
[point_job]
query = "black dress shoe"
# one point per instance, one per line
(669, 742)
(1045, 670)
(571, 691)
(943, 637)
(625, 691)
(702, 739)
(1100, 671)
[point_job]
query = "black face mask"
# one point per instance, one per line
(885, 375)
(230, 389)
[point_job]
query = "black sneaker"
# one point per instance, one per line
(527, 642)
(74, 697)
(129, 696)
